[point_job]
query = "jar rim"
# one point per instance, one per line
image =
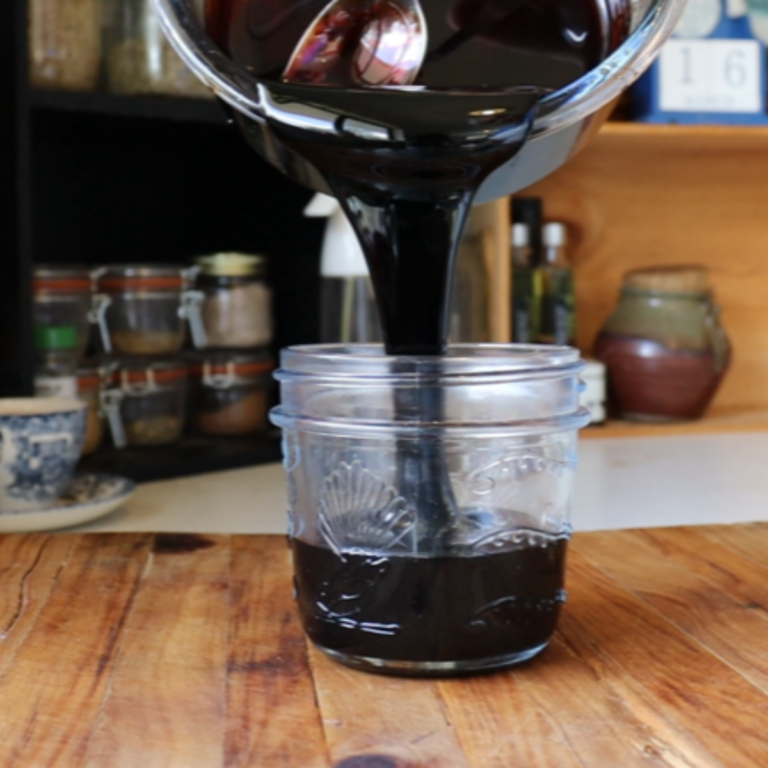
(142, 270)
(461, 360)
(663, 294)
(232, 264)
(122, 277)
(418, 430)
(64, 278)
(89, 382)
(244, 370)
(162, 372)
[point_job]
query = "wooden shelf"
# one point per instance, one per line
(190, 456)
(173, 108)
(641, 131)
(644, 195)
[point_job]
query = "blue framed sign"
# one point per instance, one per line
(713, 69)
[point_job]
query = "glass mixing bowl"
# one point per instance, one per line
(565, 119)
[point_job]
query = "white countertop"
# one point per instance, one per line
(621, 483)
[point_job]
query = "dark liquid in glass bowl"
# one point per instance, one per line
(407, 192)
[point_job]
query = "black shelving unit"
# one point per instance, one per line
(96, 178)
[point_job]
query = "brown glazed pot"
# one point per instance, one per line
(664, 347)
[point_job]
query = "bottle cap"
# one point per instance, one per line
(49, 338)
(521, 235)
(554, 235)
(232, 265)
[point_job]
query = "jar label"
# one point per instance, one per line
(56, 386)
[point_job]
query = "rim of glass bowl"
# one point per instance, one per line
(576, 101)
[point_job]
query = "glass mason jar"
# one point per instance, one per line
(90, 383)
(664, 347)
(146, 403)
(142, 309)
(62, 297)
(229, 394)
(139, 59)
(429, 501)
(65, 44)
(237, 308)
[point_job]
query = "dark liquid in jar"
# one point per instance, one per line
(438, 609)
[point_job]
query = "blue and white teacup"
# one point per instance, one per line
(40, 444)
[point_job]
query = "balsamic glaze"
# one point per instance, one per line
(406, 163)
(452, 608)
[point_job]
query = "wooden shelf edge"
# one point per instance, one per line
(190, 456)
(632, 130)
(178, 108)
(718, 421)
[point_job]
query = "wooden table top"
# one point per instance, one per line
(174, 650)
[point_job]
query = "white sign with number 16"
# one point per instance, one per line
(710, 76)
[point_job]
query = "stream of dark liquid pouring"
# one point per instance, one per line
(406, 165)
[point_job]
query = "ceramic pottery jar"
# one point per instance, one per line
(664, 346)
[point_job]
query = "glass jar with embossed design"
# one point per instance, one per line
(429, 501)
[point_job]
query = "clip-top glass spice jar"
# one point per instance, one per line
(142, 309)
(91, 380)
(237, 308)
(429, 501)
(65, 44)
(62, 297)
(664, 346)
(146, 404)
(139, 58)
(229, 394)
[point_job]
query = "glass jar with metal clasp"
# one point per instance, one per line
(61, 295)
(138, 59)
(142, 309)
(146, 402)
(93, 378)
(229, 393)
(237, 305)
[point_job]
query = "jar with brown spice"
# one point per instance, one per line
(146, 402)
(230, 393)
(90, 383)
(142, 309)
(65, 44)
(237, 308)
(139, 58)
(664, 346)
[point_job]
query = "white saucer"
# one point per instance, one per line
(86, 498)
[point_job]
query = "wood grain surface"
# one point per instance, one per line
(183, 650)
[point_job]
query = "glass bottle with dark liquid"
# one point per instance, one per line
(405, 154)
